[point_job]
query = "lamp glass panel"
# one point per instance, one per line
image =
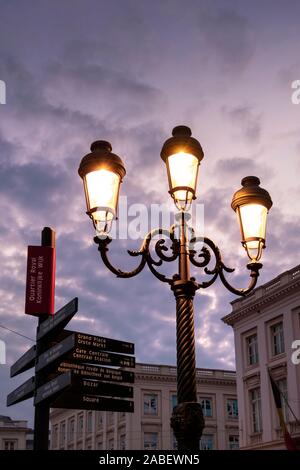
(102, 189)
(183, 172)
(253, 221)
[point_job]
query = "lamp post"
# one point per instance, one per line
(102, 173)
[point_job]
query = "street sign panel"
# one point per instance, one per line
(55, 352)
(24, 363)
(94, 356)
(40, 280)
(106, 344)
(25, 391)
(88, 371)
(53, 387)
(69, 400)
(95, 387)
(60, 319)
(70, 349)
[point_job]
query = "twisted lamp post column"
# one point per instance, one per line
(187, 420)
(102, 172)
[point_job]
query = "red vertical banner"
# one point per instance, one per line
(40, 282)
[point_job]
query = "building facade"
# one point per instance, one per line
(266, 323)
(149, 426)
(14, 435)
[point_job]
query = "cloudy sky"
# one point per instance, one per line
(128, 71)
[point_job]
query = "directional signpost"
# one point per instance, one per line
(88, 402)
(24, 363)
(72, 348)
(69, 366)
(25, 391)
(88, 371)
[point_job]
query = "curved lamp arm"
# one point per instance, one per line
(220, 267)
(144, 252)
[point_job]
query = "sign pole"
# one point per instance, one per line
(41, 415)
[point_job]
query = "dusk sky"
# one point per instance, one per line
(128, 71)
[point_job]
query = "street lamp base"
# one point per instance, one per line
(188, 423)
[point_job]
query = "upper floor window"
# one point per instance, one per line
(174, 401)
(174, 444)
(232, 408)
(282, 385)
(62, 434)
(54, 436)
(80, 425)
(277, 339)
(150, 404)
(233, 442)
(207, 442)
(89, 421)
(151, 440)
(99, 419)
(122, 442)
(110, 418)
(206, 405)
(71, 429)
(10, 445)
(111, 444)
(252, 349)
(255, 402)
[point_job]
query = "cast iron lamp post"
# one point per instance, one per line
(102, 172)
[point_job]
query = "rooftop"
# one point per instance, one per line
(262, 295)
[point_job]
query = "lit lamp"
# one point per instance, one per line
(102, 172)
(182, 155)
(251, 204)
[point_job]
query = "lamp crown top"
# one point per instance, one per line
(250, 181)
(179, 131)
(101, 145)
(181, 141)
(251, 193)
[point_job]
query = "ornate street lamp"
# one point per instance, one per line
(102, 173)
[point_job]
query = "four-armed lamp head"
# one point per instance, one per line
(102, 172)
(251, 204)
(182, 155)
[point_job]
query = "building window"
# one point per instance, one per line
(10, 445)
(71, 429)
(55, 435)
(174, 442)
(110, 418)
(252, 350)
(122, 416)
(62, 434)
(151, 440)
(111, 444)
(122, 442)
(99, 419)
(174, 401)
(207, 442)
(89, 422)
(277, 339)
(80, 425)
(233, 442)
(150, 404)
(232, 408)
(99, 445)
(256, 410)
(206, 405)
(282, 385)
